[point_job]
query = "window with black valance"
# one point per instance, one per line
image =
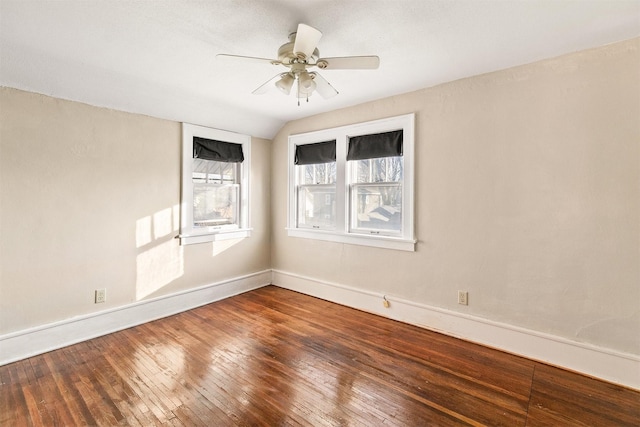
(220, 151)
(386, 144)
(319, 152)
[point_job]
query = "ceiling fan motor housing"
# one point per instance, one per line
(287, 57)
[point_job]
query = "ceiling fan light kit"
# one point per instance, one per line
(306, 82)
(285, 83)
(299, 54)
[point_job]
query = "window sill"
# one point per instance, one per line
(191, 239)
(384, 242)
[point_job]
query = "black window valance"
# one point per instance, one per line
(220, 151)
(319, 152)
(387, 144)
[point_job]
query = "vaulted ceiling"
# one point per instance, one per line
(158, 57)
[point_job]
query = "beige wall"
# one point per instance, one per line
(527, 196)
(89, 199)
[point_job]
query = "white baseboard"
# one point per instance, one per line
(30, 342)
(607, 364)
(603, 363)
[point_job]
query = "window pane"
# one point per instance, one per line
(317, 206)
(215, 204)
(377, 207)
(323, 173)
(385, 169)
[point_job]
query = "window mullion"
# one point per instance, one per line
(386, 169)
(342, 190)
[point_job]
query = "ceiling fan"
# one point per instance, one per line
(299, 55)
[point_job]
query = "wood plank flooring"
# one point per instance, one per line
(273, 357)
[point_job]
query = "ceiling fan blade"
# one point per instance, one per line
(307, 39)
(264, 88)
(323, 87)
(225, 57)
(349, 63)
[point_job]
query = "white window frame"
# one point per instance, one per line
(188, 233)
(342, 233)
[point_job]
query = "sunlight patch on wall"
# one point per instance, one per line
(163, 260)
(160, 224)
(143, 231)
(222, 245)
(158, 266)
(176, 217)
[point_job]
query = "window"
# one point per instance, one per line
(316, 192)
(216, 190)
(215, 185)
(354, 184)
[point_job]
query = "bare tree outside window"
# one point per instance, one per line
(322, 173)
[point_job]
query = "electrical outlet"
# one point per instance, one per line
(463, 297)
(101, 295)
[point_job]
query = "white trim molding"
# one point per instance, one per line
(30, 342)
(609, 365)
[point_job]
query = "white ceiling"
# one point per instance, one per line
(158, 57)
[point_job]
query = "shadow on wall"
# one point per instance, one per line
(162, 258)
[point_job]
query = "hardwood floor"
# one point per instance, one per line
(273, 357)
